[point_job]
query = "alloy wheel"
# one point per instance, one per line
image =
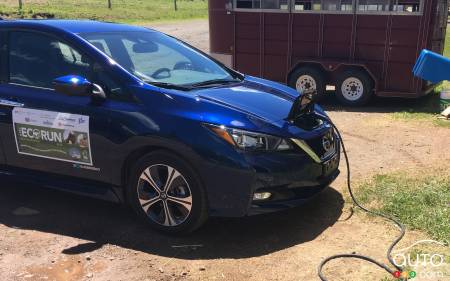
(164, 195)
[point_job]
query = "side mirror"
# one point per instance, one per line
(73, 85)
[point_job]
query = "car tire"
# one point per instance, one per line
(179, 207)
(304, 78)
(354, 88)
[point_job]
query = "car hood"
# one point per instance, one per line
(262, 99)
(254, 104)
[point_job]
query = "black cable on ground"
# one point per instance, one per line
(355, 201)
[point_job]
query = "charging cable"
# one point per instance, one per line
(355, 201)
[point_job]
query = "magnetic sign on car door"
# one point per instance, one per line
(52, 135)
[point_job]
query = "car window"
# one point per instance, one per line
(152, 61)
(36, 60)
(155, 57)
(109, 83)
(102, 46)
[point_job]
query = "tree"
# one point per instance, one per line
(175, 4)
(20, 4)
(109, 4)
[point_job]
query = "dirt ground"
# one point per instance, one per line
(47, 235)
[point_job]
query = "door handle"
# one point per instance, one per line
(10, 103)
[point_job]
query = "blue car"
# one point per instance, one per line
(131, 115)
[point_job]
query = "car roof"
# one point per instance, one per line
(74, 26)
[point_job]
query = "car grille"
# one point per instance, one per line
(323, 146)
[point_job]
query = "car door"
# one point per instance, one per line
(4, 111)
(3, 108)
(46, 131)
(2, 153)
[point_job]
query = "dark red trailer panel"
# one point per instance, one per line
(376, 41)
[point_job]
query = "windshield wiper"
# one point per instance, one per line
(169, 86)
(214, 82)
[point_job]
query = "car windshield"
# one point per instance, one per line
(160, 59)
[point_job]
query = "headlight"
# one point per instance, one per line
(250, 141)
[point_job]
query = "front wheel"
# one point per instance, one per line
(165, 191)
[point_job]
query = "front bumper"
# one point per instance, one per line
(292, 178)
(301, 180)
(285, 197)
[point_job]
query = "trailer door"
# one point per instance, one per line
(404, 36)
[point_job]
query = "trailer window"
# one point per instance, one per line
(373, 5)
(275, 4)
(337, 5)
(247, 4)
(330, 5)
(362, 6)
(263, 4)
(307, 5)
(407, 6)
(390, 6)
(346, 5)
(323, 5)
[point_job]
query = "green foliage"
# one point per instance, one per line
(127, 11)
(421, 203)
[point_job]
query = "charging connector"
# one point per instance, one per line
(355, 201)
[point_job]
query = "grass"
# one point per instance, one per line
(424, 110)
(421, 202)
(125, 11)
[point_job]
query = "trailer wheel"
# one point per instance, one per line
(306, 78)
(354, 88)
